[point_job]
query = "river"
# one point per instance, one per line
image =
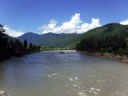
(51, 73)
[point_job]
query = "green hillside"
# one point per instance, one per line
(111, 37)
(108, 38)
(50, 39)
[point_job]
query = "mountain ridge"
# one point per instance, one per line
(70, 40)
(49, 39)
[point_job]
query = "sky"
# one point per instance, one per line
(60, 16)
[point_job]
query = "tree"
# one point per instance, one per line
(18, 48)
(2, 30)
(4, 45)
(2, 36)
(25, 44)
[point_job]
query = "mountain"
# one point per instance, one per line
(70, 40)
(112, 37)
(108, 30)
(30, 37)
(50, 39)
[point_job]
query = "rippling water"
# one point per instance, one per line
(70, 74)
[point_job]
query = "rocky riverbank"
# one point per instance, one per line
(123, 58)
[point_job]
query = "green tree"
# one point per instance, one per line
(25, 44)
(19, 49)
(4, 45)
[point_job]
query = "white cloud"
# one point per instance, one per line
(48, 28)
(88, 26)
(74, 25)
(125, 22)
(12, 32)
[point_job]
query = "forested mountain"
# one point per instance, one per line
(50, 39)
(108, 38)
(30, 37)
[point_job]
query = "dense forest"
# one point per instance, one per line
(10, 47)
(110, 38)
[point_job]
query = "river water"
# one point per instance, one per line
(51, 73)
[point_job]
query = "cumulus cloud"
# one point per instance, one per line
(74, 25)
(12, 32)
(48, 28)
(125, 22)
(88, 26)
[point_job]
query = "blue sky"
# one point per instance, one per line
(37, 15)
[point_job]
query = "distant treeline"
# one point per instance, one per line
(10, 47)
(113, 44)
(50, 48)
(111, 38)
